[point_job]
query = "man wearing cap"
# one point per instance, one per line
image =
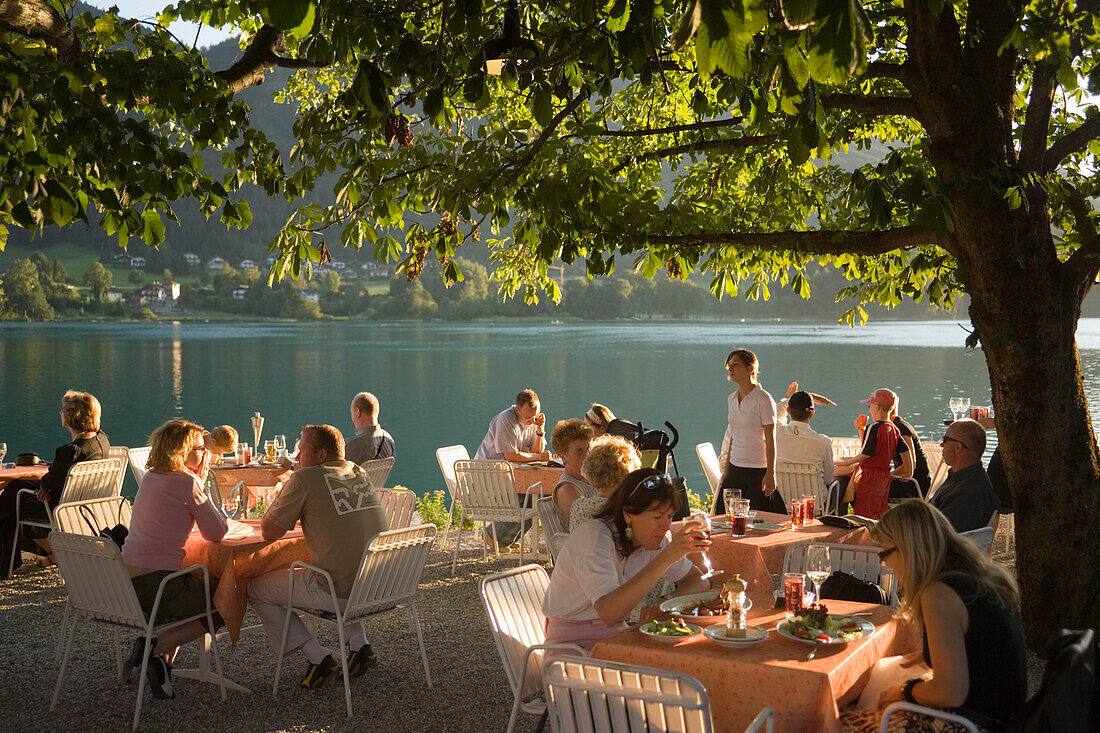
(966, 497)
(797, 441)
(880, 442)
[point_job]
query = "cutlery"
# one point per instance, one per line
(813, 652)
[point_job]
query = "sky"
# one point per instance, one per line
(148, 9)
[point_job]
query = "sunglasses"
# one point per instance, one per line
(649, 483)
(948, 439)
(883, 554)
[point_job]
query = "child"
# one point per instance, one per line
(880, 441)
(222, 439)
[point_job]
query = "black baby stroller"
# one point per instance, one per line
(656, 449)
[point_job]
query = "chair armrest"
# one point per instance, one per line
(165, 580)
(324, 574)
(531, 496)
(930, 712)
(542, 647)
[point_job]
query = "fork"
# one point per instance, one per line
(813, 652)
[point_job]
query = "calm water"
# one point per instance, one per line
(439, 384)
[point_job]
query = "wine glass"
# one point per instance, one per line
(955, 403)
(701, 517)
(280, 445)
(964, 406)
(817, 567)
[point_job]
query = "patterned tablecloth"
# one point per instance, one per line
(10, 474)
(234, 562)
(806, 696)
(758, 555)
(527, 476)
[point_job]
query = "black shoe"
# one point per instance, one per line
(131, 668)
(318, 673)
(360, 660)
(160, 678)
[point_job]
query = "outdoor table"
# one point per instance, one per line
(529, 474)
(10, 474)
(806, 696)
(758, 555)
(260, 479)
(235, 562)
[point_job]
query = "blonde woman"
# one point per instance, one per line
(968, 609)
(608, 462)
(80, 415)
(570, 440)
(170, 502)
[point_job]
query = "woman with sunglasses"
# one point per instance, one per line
(747, 459)
(607, 565)
(968, 610)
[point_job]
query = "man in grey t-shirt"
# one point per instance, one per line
(371, 441)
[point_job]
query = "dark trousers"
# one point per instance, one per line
(750, 481)
(29, 508)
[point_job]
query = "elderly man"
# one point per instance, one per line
(371, 441)
(797, 441)
(966, 497)
(517, 434)
(340, 515)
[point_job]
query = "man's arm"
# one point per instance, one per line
(270, 530)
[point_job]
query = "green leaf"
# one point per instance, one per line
(152, 231)
(541, 105)
(433, 102)
(687, 25)
(3, 237)
(618, 16)
(294, 16)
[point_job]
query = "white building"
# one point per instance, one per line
(239, 293)
(137, 262)
(216, 264)
(192, 260)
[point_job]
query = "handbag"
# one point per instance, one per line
(116, 534)
(836, 520)
(28, 459)
(843, 586)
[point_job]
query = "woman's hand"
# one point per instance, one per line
(768, 484)
(691, 537)
(43, 495)
(894, 694)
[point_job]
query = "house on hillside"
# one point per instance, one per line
(312, 296)
(247, 263)
(239, 293)
(216, 264)
(161, 294)
(192, 260)
(338, 265)
(137, 262)
(349, 274)
(113, 295)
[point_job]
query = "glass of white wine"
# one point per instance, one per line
(818, 568)
(964, 406)
(955, 403)
(701, 517)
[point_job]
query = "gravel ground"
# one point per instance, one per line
(470, 692)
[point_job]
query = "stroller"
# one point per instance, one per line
(656, 449)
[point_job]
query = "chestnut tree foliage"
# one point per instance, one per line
(660, 135)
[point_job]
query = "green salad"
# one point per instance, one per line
(817, 625)
(673, 627)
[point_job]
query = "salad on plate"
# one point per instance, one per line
(816, 624)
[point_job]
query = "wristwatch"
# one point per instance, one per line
(907, 691)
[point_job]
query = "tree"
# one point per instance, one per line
(58, 273)
(24, 294)
(136, 276)
(97, 279)
(683, 135)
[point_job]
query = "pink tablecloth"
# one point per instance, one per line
(527, 476)
(235, 562)
(758, 555)
(10, 474)
(806, 696)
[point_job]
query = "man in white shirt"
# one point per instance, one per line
(797, 441)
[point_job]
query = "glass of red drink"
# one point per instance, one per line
(796, 514)
(739, 514)
(807, 509)
(794, 587)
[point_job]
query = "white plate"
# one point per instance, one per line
(674, 605)
(717, 633)
(661, 637)
(866, 627)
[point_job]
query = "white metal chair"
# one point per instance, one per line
(487, 493)
(927, 712)
(937, 469)
(708, 459)
(796, 479)
(858, 560)
(513, 603)
(138, 458)
(846, 447)
(86, 480)
(981, 537)
(398, 504)
(446, 458)
(378, 471)
(121, 452)
(100, 590)
(551, 523)
(387, 580)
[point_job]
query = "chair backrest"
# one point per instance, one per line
(845, 447)
(795, 479)
(398, 504)
(486, 488)
(138, 457)
(858, 560)
(378, 471)
(934, 453)
(89, 517)
(391, 568)
(551, 521)
(708, 459)
(513, 603)
(982, 537)
(123, 453)
(91, 480)
(1068, 698)
(446, 458)
(594, 695)
(96, 579)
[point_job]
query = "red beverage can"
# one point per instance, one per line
(794, 586)
(808, 509)
(796, 514)
(738, 526)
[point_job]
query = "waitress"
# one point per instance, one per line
(748, 447)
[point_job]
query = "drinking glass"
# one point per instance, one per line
(739, 516)
(280, 445)
(794, 586)
(3, 451)
(243, 455)
(808, 509)
(705, 520)
(269, 449)
(955, 403)
(817, 567)
(729, 496)
(796, 514)
(964, 406)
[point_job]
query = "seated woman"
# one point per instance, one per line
(973, 663)
(80, 413)
(608, 462)
(598, 417)
(169, 503)
(570, 439)
(608, 565)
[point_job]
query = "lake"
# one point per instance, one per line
(439, 384)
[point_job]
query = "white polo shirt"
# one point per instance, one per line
(589, 567)
(797, 441)
(743, 443)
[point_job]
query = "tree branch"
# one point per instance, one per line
(904, 106)
(881, 70)
(36, 19)
(1037, 120)
(1071, 142)
(262, 54)
(1083, 263)
(734, 143)
(709, 124)
(818, 242)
